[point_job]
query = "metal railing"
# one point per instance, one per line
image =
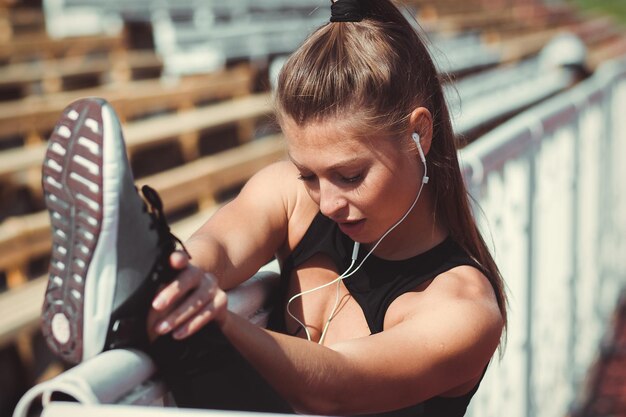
(550, 188)
(486, 99)
(129, 377)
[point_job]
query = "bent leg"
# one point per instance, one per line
(206, 371)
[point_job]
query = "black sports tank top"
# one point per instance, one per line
(375, 286)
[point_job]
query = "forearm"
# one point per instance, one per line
(230, 250)
(207, 253)
(309, 376)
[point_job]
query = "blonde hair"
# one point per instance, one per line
(375, 73)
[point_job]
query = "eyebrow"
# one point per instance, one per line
(340, 164)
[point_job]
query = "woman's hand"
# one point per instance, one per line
(186, 304)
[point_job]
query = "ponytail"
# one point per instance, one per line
(377, 70)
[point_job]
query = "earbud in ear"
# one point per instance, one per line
(416, 139)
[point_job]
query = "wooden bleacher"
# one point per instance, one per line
(184, 127)
(15, 22)
(44, 77)
(26, 237)
(158, 112)
(40, 46)
(33, 117)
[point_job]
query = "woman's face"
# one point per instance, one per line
(364, 184)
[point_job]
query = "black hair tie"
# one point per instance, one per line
(346, 11)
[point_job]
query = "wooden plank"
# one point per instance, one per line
(147, 133)
(40, 113)
(21, 20)
(28, 75)
(40, 45)
(503, 23)
(530, 44)
(138, 99)
(207, 176)
(434, 10)
(24, 237)
(476, 20)
(20, 309)
(16, 165)
(27, 17)
(6, 28)
(16, 21)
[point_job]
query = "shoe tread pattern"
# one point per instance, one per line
(72, 184)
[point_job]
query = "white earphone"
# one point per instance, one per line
(416, 139)
(355, 253)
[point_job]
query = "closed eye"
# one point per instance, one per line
(347, 180)
(306, 178)
(352, 180)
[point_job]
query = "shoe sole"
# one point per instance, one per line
(80, 179)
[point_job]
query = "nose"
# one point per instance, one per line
(331, 200)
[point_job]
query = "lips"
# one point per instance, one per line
(351, 227)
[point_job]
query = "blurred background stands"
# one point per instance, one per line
(191, 81)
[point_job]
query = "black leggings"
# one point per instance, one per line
(206, 371)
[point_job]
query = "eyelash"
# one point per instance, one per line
(350, 180)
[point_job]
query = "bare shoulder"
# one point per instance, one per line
(462, 285)
(281, 180)
(277, 174)
(466, 290)
(465, 283)
(463, 301)
(273, 185)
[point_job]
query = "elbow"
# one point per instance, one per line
(319, 403)
(317, 406)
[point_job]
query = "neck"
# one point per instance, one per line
(419, 232)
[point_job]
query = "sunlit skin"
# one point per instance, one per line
(369, 180)
(436, 339)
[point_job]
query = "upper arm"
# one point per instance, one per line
(249, 229)
(446, 341)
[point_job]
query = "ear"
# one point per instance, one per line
(421, 121)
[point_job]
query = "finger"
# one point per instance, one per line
(154, 317)
(210, 312)
(188, 309)
(179, 260)
(186, 281)
(206, 287)
(153, 312)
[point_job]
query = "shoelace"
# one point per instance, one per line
(155, 209)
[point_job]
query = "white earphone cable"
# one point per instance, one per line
(347, 273)
(308, 335)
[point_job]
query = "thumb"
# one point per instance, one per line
(179, 260)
